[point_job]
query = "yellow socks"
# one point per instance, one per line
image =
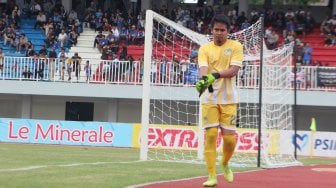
(210, 150)
(228, 147)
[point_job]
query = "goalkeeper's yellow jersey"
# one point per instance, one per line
(218, 58)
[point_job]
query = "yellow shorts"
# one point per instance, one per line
(224, 115)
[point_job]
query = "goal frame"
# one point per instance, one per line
(201, 39)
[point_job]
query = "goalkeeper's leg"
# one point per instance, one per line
(210, 155)
(228, 128)
(228, 150)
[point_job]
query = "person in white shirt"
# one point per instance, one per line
(23, 42)
(36, 8)
(116, 34)
(40, 20)
(62, 37)
(62, 56)
(72, 16)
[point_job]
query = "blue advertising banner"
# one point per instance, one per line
(65, 132)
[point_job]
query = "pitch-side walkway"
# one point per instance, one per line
(316, 176)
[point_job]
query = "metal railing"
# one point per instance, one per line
(126, 72)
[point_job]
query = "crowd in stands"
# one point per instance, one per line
(62, 29)
(328, 29)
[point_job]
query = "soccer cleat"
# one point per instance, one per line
(228, 174)
(211, 182)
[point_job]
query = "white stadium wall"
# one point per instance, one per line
(118, 103)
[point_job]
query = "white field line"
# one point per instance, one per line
(184, 179)
(26, 168)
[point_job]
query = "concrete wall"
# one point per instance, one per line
(129, 110)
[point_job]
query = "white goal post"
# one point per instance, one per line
(170, 124)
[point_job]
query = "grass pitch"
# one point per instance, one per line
(59, 166)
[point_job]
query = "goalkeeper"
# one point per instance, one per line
(219, 62)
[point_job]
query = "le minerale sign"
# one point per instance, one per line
(65, 132)
(56, 133)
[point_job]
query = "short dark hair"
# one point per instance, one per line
(220, 18)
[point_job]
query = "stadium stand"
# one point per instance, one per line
(85, 45)
(321, 53)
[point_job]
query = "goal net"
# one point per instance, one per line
(171, 128)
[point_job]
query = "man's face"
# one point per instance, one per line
(219, 32)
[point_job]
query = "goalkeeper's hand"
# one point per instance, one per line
(206, 82)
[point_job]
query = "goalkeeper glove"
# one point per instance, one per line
(206, 83)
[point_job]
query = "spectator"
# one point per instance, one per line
(63, 56)
(194, 52)
(92, 8)
(115, 69)
(43, 51)
(52, 67)
(2, 55)
(23, 43)
(48, 25)
(116, 34)
(107, 71)
(175, 63)
(123, 54)
(72, 16)
(15, 70)
(309, 22)
(76, 63)
(102, 43)
(48, 6)
(99, 23)
(110, 37)
(16, 16)
(124, 34)
(298, 60)
(183, 69)
(328, 41)
(298, 51)
(30, 52)
(290, 36)
(307, 50)
(87, 69)
(107, 26)
(133, 33)
(140, 38)
(272, 40)
(40, 20)
(26, 72)
(39, 63)
(245, 24)
(153, 71)
(36, 8)
(97, 38)
(62, 38)
(242, 17)
(50, 38)
(290, 27)
(199, 24)
(9, 36)
(73, 38)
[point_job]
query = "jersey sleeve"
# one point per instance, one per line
(202, 57)
(237, 56)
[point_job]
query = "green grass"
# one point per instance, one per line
(51, 166)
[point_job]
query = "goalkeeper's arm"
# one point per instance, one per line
(206, 81)
(227, 73)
